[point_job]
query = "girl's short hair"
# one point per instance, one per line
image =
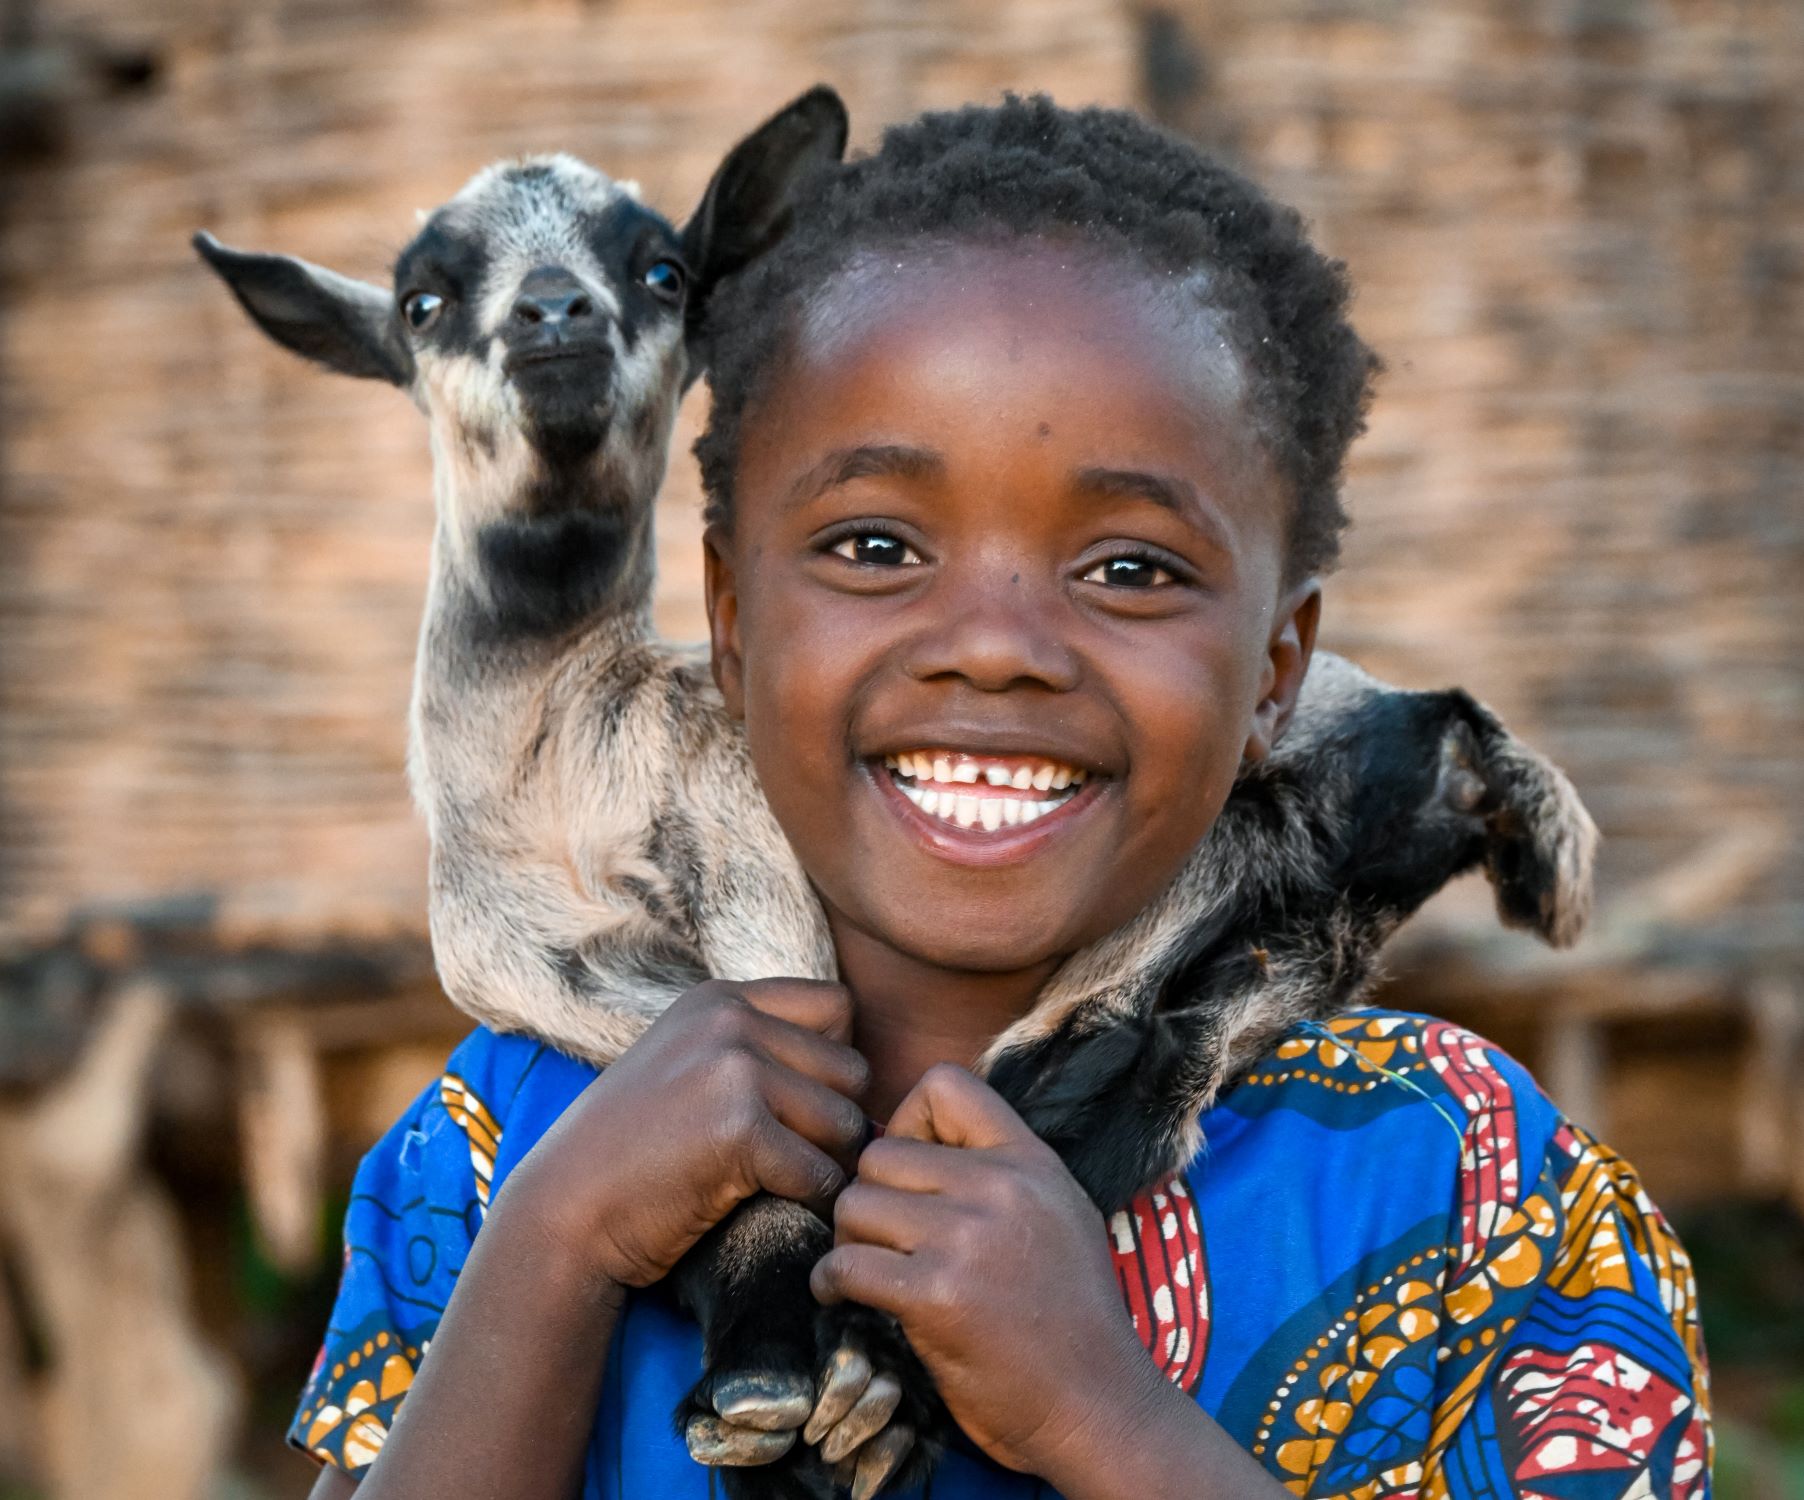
(1026, 167)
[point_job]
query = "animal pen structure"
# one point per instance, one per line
(1577, 230)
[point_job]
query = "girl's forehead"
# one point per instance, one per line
(1010, 369)
(1034, 292)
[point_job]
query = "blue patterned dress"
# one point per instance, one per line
(1394, 1270)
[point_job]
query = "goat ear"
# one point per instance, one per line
(748, 205)
(346, 325)
(1540, 842)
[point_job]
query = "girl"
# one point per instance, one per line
(1025, 452)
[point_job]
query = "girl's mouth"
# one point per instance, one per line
(984, 791)
(983, 808)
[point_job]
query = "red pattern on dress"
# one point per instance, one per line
(1157, 1246)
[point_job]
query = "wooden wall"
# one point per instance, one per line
(1577, 227)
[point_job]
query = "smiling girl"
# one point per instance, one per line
(1023, 466)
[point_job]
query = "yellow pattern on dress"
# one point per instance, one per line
(473, 1117)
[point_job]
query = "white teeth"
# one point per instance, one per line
(969, 811)
(919, 765)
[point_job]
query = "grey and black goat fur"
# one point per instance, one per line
(599, 842)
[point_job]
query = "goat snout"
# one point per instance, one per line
(554, 316)
(551, 296)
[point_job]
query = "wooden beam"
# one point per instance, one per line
(1770, 1109)
(282, 1124)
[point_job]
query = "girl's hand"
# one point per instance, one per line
(967, 1227)
(735, 1089)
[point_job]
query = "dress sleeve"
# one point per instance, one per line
(416, 1204)
(1571, 1360)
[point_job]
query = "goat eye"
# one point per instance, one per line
(421, 309)
(665, 277)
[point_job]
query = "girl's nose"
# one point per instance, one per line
(997, 630)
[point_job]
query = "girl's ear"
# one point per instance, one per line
(722, 593)
(1287, 655)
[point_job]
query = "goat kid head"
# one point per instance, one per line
(545, 320)
(1430, 784)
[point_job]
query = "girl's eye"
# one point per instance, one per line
(876, 549)
(1130, 573)
(665, 277)
(421, 309)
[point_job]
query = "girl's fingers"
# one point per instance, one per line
(879, 1278)
(913, 1166)
(790, 1167)
(816, 1005)
(957, 1108)
(868, 1214)
(805, 1051)
(817, 1113)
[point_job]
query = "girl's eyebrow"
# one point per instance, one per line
(1168, 491)
(867, 461)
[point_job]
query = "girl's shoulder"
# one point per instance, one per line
(1416, 1253)
(504, 1091)
(419, 1197)
(1373, 1065)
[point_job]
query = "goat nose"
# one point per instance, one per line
(551, 295)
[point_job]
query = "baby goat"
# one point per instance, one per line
(599, 843)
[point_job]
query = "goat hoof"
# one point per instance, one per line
(766, 1402)
(881, 1457)
(869, 1415)
(877, 1420)
(721, 1444)
(847, 1374)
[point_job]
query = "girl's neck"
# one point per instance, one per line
(908, 1015)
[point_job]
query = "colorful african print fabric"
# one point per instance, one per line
(1394, 1270)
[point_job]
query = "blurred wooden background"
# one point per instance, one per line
(1577, 230)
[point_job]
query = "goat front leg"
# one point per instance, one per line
(746, 1284)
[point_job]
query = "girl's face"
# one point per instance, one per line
(1003, 604)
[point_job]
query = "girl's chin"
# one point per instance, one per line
(935, 944)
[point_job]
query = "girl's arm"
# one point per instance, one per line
(736, 1089)
(506, 1397)
(967, 1227)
